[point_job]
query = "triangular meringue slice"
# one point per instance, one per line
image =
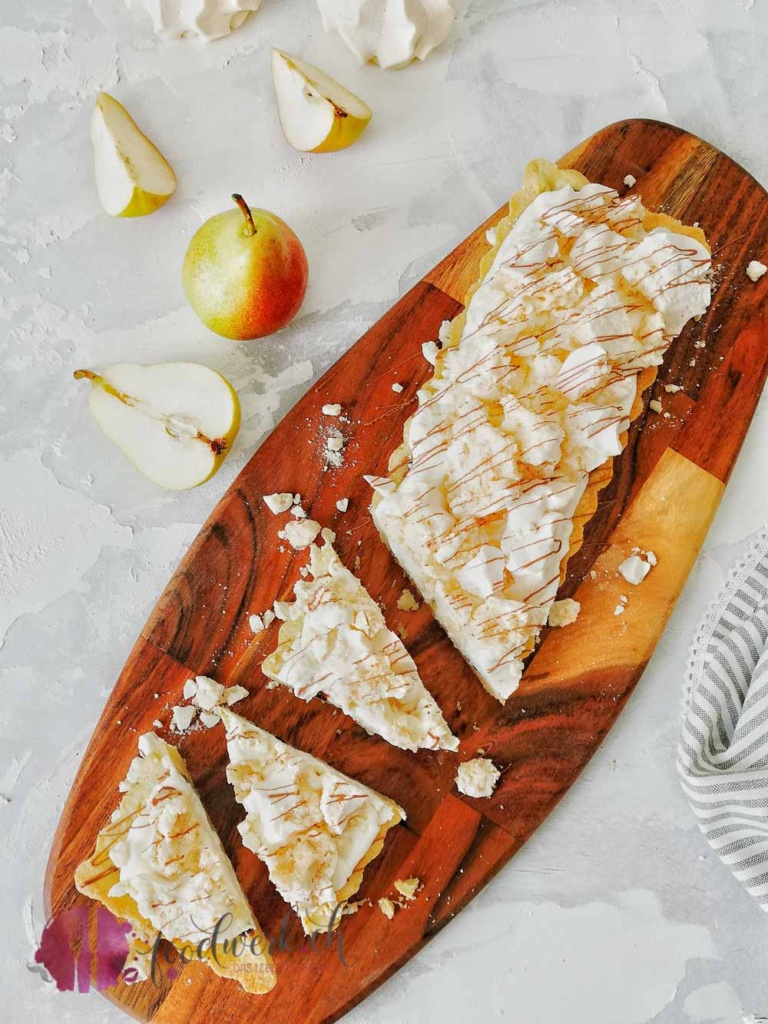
(159, 865)
(335, 641)
(314, 828)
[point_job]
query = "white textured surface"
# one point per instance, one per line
(616, 912)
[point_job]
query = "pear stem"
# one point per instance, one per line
(216, 444)
(250, 227)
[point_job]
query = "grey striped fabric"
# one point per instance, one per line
(723, 753)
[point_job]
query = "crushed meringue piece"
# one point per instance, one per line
(278, 503)
(331, 410)
(407, 602)
(563, 613)
(342, 504)
(301, 532)
(477, 777)
(182, 717)
(756, 270)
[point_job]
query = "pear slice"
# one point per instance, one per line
(133, 177)
(175, 422)
(316, 113)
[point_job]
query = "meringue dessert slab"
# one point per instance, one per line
(335, 641)
(534, 389)
(314, 828)
(659, 495)
(159, 864)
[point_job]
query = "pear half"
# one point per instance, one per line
(316, 113)
(133, 177)
(175, 422)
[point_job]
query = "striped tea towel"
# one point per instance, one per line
(723, 753)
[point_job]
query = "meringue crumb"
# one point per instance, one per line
(190, 689)
(182, 717)
(429, 350)
(619, 609)
(408, 887)
(301, 532)
(672, 389)
(655, 405)
(256, 622)
(268, 618)
(407, 602)
(397, 388)
(328, 535)
(387, 907)
(634, 569)
(335, 443)
(755, 270)
(209, 719)
(157, 723)
(342, 504)
(298, 512)
(630, 181)
(477, 777)
(563, 613)
(331, 410)
(278, 502)
(650, 558)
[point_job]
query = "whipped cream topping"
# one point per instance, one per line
(531, 395)
(170, 859)
(335, 642)
(313, 827)
(390, 33)
(204, 19)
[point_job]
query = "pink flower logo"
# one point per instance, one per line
(83, 947)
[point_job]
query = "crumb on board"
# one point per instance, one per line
(756, 270)
(408, 887)
(654, 405)
(407, 602)
(387, 907)
(630, 180)
(278, 502)
(564, 612)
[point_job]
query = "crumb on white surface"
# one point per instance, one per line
(407, 602)
(654, 405)
(331, 410)
(301, 532)
(278, 502)
(756, 270)
(342, 504)
(397, 388)
(387, 907)
(563, 613)
(630, 180)
(477, 777)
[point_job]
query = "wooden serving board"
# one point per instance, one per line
(665, 489)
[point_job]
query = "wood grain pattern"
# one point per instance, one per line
(664, 491)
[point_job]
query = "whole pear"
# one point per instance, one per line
(245, 273)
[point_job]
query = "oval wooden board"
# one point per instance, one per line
(664, 492)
